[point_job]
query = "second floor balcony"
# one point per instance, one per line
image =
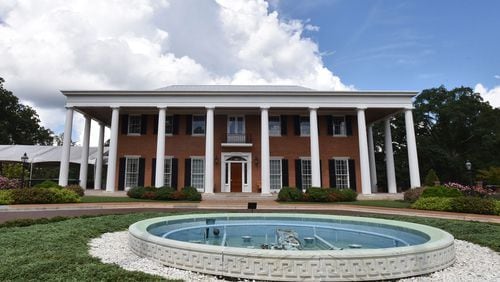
(237, 139)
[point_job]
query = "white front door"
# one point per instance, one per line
(236, 172)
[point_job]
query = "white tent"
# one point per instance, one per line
(41, 154)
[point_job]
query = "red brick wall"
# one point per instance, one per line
(291, 147)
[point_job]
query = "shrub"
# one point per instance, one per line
(165, 193)
(44, 196)
(412, 195)
(471, 191)
(441, 191)
(289, 194)
(77, 189)
(490, 175)
(317, 194)
(136, 192)
(433, 203)
(6, 197)
(431, 178)
(473, 205)
(191, 194)
(6, 183)
(47, 184)
(342, 195)
(497, 207)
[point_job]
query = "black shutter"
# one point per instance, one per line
(298, 174)
(284, 172)
(175, 125)
(296, 125)
(189, 124)
(142, 167)
(144, 124)
(329, 124)
(187, 173)
(174, 173)
(331, 172)
(124, 122)
(121, 174)
(352, 175)
(320, 174)
(348, 125)
(155, 125)
(283, 125)
(153, 172)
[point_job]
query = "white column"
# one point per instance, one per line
(371, 155)
(363, 153)
(412, 150)
(389, 158)
(160, 149)
(112, 151)
(98, 161)
(315, 167)
(264, 147)
(209, 151)
(64, 166)
(85, 153)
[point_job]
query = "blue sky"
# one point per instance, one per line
(392, 44)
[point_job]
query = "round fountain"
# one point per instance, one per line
(293, 247)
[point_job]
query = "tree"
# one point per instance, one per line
(59, 140)
(452, 126)
(20, 124)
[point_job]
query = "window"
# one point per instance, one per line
(306, 174)
(274, 126)
(131, 172)
(134, 125)
(275, 173)
(341, 173)
(167, 174)
(169, 125)
(198, 173)
(198, 125)
(339, 128)
(304, 126)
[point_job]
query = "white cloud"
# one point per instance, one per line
(48, 45)
(490, 95)
(496, 76)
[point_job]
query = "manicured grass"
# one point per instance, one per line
(374, 203)
(57, 249)
(108, 199)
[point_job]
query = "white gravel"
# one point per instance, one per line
(474, 263)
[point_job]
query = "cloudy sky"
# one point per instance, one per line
(323, 44)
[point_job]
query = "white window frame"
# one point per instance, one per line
(204, 125)
(129, 124)
(279, 160)
(272, 133)
(200, 188)
(343, 127)
(302, 160)
(304, 119)
(339, 182)
(167, 173)
(172, 119)
(126, 181)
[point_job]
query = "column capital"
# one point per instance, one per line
(161, 107)
(361, 108)
(210, 107)
(69, 107)
(114, 107)
(409, 108)
(313, 108)
(264, 107)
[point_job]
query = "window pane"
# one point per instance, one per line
(339, 126)
(168, 172)
(198, 173)
(131, 172)
(198, 125)
(134, 124)
(341, 174)
(304, 126)
(169, 125)
(275, 174)
(306, 174)
(274, 126)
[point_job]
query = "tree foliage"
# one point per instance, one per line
(20, 124)
(451, 126)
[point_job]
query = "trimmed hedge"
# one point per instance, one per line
(412, 195)
(77, 189)
(473, 205)
(47, 184)
(441, 191)
(316, 194)
(6, 197)
(43, 196)
(433, 204)
(164, 193)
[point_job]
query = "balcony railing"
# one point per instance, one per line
(237, 138)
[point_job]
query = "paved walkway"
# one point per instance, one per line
(218, 202)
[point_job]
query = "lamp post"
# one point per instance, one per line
(24, 159)
(468, 166)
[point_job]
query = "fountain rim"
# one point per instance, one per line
(438, 239)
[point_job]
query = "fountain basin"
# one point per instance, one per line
(293, 247)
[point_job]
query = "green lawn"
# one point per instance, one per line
(373, 203)
(57, 249)
(109, 199)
